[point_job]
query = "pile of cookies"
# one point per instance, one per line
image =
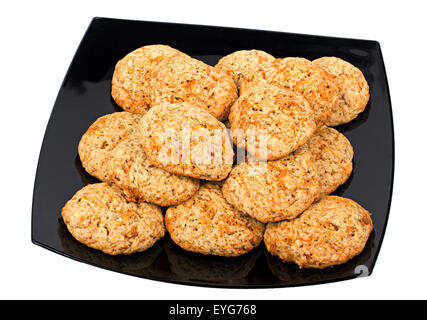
(236, 154)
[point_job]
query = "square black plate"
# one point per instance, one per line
(85, 96)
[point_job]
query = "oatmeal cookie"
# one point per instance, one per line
(209, 225)
(274, 190)
(271, 122)
(353, 89)
(186, 140)
(99, 217)
(330, 232)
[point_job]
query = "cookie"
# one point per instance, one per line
(271, 122)
(353, 89)
(130, 169)
(130, 83)
(334, 158)
(274, 190)
(96, 145)
(183, 79)
(207, 224)
(330, 232)
(186, 140)
(99, 217)
(243, 62)
(304, 77)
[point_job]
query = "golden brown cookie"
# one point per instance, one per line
(243, 62)
(303, 76)
(209, 225)
(96, 145)
(271, 122)
(184, 79)
(99, 217)
(186, 140)
(274, 190)
(140, 180)
(333, 154)
(330, 232)
(353, 89)
(132, 74)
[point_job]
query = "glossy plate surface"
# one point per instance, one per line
(85, 95)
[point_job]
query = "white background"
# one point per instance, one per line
(38, 41)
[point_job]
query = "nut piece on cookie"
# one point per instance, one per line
(132, 74)
(186, 140)
(333, 155)
(353, 89)
(207, 224)
(184, 79)
(241, 63)
(130, 169)
(304, 77)
(96, 145)
(274, 190)
(99, 217)
(330, 232)
(271, 122)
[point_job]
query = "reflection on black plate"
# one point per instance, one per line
(197, 267)
(135, 264)
(290, 272)
(85, 96)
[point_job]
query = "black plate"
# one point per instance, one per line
(85, 96)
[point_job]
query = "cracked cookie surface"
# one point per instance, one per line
(186, 140)
(98, 142)
(330, 232)
(353, 89)
(101, 218)
(140, 180)
(304, 77)
(130, 83)
(207, 224)
(244, 62)
(333, 155)
(274, 190)
(271, 122)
